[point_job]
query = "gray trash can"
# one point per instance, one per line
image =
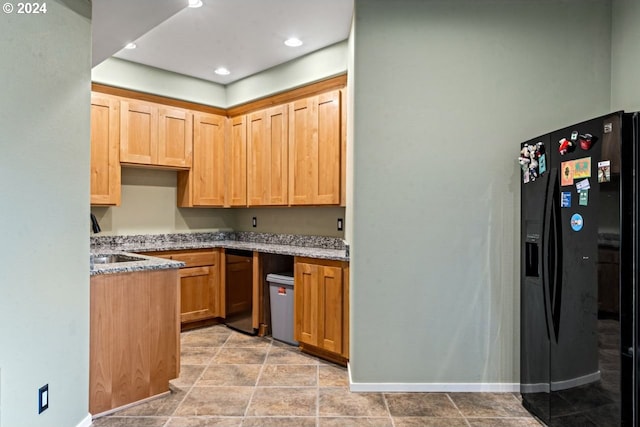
(281, 295)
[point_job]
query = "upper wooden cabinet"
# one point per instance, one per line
(105, 162)
(138, 132)
(218, 176)
(316, 150)
(153, 135)
(175, 138)
(204, 184)
(285, 150)
(267, 165)
(236, 161)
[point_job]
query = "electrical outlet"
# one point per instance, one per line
(340, 224)
(43, 398)
(254, 222)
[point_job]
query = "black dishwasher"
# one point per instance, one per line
(239, 290)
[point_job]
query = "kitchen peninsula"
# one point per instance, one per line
(134, 329)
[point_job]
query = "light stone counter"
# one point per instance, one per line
(146, 263)
(283, 244)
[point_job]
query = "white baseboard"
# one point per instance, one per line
(435, 387)
(86, 422)
(432, 387)
(131, 405)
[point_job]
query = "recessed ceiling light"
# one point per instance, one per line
(293, 42)
(222, 71)
(130, 46)
(195, 3)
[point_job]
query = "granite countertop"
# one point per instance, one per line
(283, 244)
(145, 263)
(323, 253)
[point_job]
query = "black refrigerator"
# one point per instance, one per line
(579, 278)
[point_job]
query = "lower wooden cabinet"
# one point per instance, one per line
(321, 307)
(134, 337)
(201, 295)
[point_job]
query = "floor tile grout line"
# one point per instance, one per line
(197, 379)
(386, 405)
(255, 386)
(464, 417)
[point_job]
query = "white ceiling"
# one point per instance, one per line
(244, 36)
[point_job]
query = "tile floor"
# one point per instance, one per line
(229, 379)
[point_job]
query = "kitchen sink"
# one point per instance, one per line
(114, 258)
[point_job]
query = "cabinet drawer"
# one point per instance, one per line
(191, 257)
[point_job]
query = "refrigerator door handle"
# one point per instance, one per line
(551, 256)
(555, 284)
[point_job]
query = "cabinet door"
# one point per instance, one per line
(138, 132)
(256, 159)
(267, 157)
(306, 303)
(326, 175)
(199, 298)
(321, 306)
(331, 301)
(175, 140)
(315, 138)
(105, 161)
(236, 159)
(207, 174)
(301, 142)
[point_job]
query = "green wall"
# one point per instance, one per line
(149, 207)
(444, 93)
(130, 75)
(318, 65)
(310, 221)
(44, 227)
(625, 56)
(348, 234)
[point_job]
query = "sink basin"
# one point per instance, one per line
(114, 258)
